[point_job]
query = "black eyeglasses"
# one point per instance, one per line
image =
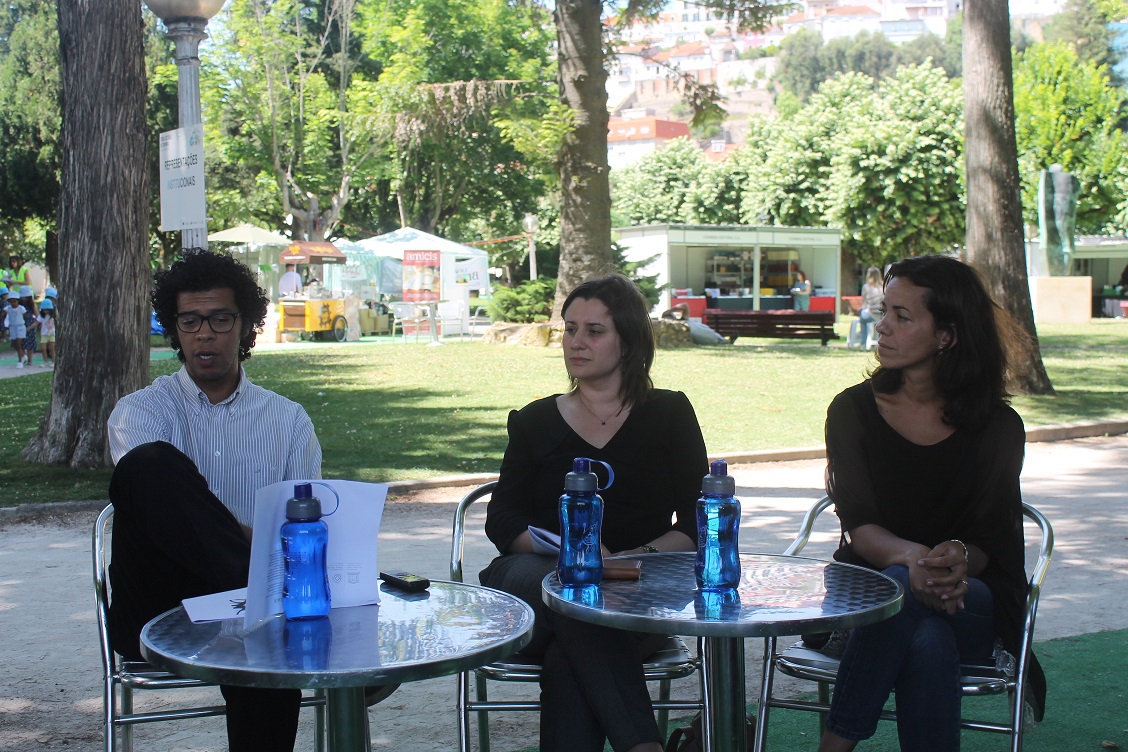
(190, 323)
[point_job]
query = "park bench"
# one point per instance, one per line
(776, 324)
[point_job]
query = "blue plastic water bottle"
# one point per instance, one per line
(581, 516)
(305, 540)
(307, 643)
(717, 566)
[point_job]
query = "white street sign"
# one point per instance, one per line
(182, 179)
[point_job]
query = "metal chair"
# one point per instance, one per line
(403, 314)
(672, 661)
(121, 677)
(975, 680)
(451, 316)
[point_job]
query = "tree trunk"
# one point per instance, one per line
(103, 336)
(585, 212)
(995, 243)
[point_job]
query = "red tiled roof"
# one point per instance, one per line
(644, 129)
(852, 10)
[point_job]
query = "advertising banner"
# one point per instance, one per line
(421, 280)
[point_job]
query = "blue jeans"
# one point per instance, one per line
(868, 319)
(917, 653)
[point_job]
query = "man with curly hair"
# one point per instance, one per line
(190, 450)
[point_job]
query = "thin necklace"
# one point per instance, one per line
(602, 421)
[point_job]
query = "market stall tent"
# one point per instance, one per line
(460, 267)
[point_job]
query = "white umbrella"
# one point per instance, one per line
(250, 235)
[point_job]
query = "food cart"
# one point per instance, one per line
(316, 312)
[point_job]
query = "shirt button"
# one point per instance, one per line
(217, 454)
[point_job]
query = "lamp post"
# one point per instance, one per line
(530, 225)
(184, 22)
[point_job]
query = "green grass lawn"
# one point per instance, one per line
(394, 411)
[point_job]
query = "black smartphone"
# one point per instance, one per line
(412, 583)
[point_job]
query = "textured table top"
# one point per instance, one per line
(777, 595)
(407, 637)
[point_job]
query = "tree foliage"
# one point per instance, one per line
(663, 186)
(1068, 113)
(1083, 25)
(882, 161)
(30, 120)
(896, 178)
(806, 62)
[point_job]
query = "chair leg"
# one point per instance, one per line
(127, 709)
(482, 693)
(109, 703)
(824, 698)
(663, 715)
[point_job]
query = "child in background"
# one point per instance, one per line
(16, 329)
(47, 332)
(3, 313)
(31, 322)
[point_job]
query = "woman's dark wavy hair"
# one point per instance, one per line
(631, 317)
(199, 270)
(971, 374)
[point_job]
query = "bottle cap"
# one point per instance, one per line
(718, 481)
(304, 505)
(581, 479)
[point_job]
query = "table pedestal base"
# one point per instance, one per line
(722, 666)
(348, 720)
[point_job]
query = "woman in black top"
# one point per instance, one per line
(923, 467)
(592, 687)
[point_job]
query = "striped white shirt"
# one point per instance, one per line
(250, 440)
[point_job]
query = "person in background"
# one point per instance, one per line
(290, 284)
(872, 295)
(1123, 283)
(923, 463)
(17, 330)
(31, 323)
(592, 686)
(801, 292)
(47, 332)
(17, 275)
(3, 313)
(190, 450)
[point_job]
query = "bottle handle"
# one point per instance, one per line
(610, 474)
(333, 491)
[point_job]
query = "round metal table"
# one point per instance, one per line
(777, 595)
(452, 627)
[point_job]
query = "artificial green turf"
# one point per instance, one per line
(390, 411)
(1086, 706)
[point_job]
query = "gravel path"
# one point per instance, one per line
(50, 683)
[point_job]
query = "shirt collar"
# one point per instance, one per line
(194, 393)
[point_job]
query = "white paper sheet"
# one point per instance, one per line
(544, 542)
(229, 604)
(354, 526)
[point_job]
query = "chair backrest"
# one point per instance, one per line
(451, 309)
(1037, 571)
(402, 310)
(101, 564)
(457, 539)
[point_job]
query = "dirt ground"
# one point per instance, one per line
(50, 677)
